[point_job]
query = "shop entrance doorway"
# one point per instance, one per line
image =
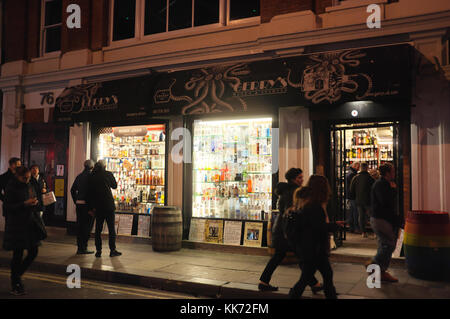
(371, 143)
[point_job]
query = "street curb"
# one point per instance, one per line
(228, 290)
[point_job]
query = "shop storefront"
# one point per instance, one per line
(356, 101)
(132, 144)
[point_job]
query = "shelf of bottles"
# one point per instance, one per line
(138, 164)
(232, 169)
(365, 145)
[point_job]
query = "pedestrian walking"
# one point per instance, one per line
(352, 210)
(285, 192)
(360, 188)
(101, 203)
(312, 233)
(40, 187)
(14, 162)
(21, 231)
(384, 219)
(85, 221)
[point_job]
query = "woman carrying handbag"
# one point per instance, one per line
(24, 228)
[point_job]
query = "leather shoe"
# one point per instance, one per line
(267, 287)
(84, 252)
(114, 253)
(316, 289)
(98, 254)
(387, 277)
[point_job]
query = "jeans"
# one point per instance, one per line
(352, 219)
(387, 241)
(363, 212)
(20, 265)
(274, 262)
(110, 221)
(85, 222)
(309, 268)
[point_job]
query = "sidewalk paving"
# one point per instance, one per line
(215, 274)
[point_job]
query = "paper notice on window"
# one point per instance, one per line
(144, 226)
(253, 234)
(214, 231)
(197, 230)
(232, 233)
(125, 224)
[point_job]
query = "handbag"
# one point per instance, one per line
(48, 198)
(39, 226)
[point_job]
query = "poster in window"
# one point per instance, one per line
(214, 231)
(125, 224)
(144, 225)
(253, 234)
(197, 230)
(232, 233)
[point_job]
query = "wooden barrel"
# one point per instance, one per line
(167, 228)
(427, 245)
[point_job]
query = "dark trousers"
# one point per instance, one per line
(322, 264)
(20, 265)
(274, 262)
(110, 221)
(84, 222)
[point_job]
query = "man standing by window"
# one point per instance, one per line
(79, 193)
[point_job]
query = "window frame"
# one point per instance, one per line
(43, 33)
(224, 21)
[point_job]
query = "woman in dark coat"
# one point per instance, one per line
(285, 192)
(313, 230)
(20, 229)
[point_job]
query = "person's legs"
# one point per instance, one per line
(32, 254)
(273, 263)
(80, 228)
(85, 226)
(110, 221)
(327, 273)
(309, 268)
(16, 264)
(386, 242)
(89, 221)
(349, 219)
(99, 220)
(362, 218)
(355, 218)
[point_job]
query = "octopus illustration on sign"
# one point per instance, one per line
(326, 79)
(73, 96)
(208, 86)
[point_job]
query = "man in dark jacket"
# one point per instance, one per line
(360, 188)
(384, 219)
(79, 191)
(14, 162)
(352, 211)
(20, 235)
(101, 202)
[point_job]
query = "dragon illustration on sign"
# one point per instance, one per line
(326, 78)
(208, 86)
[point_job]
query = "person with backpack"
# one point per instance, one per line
(285, 193)
(311, 235)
